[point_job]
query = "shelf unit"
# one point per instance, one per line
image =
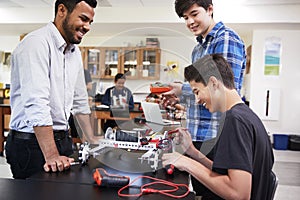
(135, 62)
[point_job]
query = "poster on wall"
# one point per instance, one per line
(170, 71)
(272, 56)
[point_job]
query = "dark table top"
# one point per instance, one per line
(13, 189)
(114, 161)
(117, 161)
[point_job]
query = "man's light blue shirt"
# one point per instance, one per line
(47, 81)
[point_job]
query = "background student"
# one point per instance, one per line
(117, 96)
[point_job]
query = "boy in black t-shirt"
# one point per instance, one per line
(243, 153)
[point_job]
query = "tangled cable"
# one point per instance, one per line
(147, 189)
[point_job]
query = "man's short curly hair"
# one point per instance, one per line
(70, 4)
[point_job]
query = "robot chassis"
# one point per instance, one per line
(130, 140)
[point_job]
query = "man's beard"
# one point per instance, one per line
(68, 31)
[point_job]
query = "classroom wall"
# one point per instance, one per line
(8, 43)
(286, 83)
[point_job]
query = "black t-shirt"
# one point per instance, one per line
(244, 144)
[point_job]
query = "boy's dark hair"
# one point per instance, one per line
(119, 76)
(210, 65)
(183, 5)
(70, 4)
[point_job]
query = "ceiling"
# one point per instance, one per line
(101, 3)
(131, 3)
(102, 29)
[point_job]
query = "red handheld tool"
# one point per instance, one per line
(102, 178)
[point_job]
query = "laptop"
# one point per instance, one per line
(153, 114)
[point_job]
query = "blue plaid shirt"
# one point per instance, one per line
(201, 123)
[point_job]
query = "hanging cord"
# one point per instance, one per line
(146, 189)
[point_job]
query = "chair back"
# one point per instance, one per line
(273, 186)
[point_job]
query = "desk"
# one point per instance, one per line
(80, 177)
(4, 110)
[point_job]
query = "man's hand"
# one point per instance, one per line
(176, 159)
(176, 89)
(57, 163)
(183, 138)
(171, 97)
(169, 101)
(53, 161)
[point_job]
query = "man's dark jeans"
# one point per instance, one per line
(25, 156)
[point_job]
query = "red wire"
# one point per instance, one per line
(144, 190)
